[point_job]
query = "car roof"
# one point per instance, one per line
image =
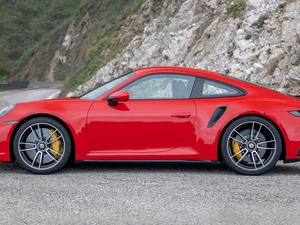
(173, 69)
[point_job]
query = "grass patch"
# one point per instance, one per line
(239, 25)
(261, 21)
(237, 9)
(248, 36)
(282, 6)
(297, 63)
(208, 35)
(25, 23)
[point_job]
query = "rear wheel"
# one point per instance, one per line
(42, 145)
(251, 145)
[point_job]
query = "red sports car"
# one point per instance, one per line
(164, 114)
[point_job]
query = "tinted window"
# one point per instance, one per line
(205, 88)
(161, 86)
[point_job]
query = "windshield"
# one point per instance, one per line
(96, 93)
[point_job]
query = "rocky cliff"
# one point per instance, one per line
(256, 40)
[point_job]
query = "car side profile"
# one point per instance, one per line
(164, 114)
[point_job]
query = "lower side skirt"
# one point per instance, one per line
(151, 161)
(291, 160)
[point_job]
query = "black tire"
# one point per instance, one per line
(251, 145)
(42, 145)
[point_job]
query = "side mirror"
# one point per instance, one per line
(118, 96)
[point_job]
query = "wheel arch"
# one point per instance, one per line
(12, 156)
(282, 157)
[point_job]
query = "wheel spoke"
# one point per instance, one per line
(238, 140)
(41, 131)
(266, 148)
(51, 155)
(54, 151)
(47, 139)
(35, 158)
(33, 131)
(27, 149)
(253, 159)
(240, 135)
(242, 156)
(239, 152)
(258, 132)
(259, 158)
(41, 160)
(53, 140)
(26, 143)
(252, 131)
(266, 142)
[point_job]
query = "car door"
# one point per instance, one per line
(158, 116)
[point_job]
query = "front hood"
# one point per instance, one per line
(53, 101)
(59, 107)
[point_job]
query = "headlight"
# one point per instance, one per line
(6, 110)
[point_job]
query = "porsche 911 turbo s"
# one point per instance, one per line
(164, 114)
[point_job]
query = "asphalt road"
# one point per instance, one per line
(35, 91)
(149, 194)
(146, 193)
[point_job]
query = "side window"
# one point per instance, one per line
(205, 88)
(215, 88)
(161, 86)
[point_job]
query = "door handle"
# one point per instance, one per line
(181, 115)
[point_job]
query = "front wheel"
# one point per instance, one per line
(251, 145)
(42, 145)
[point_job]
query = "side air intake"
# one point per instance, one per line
(216, 115)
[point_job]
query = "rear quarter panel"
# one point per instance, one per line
(206, 139)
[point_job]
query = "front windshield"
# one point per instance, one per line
(96, 93)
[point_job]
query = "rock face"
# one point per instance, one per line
(255, 40)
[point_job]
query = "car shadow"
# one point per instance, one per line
(149, 167)
(204, 168)
(286, 169)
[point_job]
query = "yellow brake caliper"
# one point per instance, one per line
(236, 149)
(56, 144)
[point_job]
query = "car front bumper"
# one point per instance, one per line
(6, 130)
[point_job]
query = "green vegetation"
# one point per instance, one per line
(261, 21)
(107, 21)
(239, 25)
(248, 36)
(236, 7)
(208, 35)
(297, 63)
(282, 6)
(25, 23)
(33, 31)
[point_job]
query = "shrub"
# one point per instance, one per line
(248, 36)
